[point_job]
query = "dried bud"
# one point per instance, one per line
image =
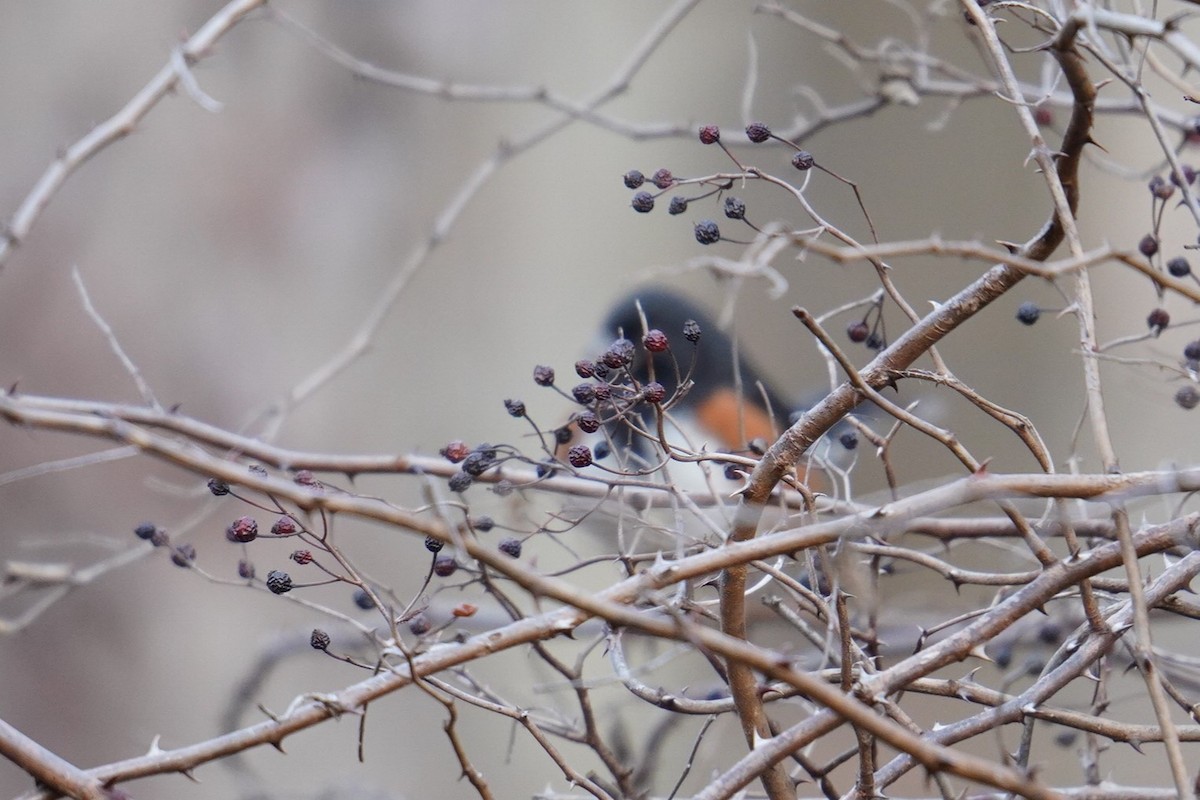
(803, 160)
(707, 232)
(318, 639)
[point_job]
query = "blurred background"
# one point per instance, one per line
(235, 253)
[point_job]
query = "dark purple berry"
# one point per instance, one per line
(585, 368)
(1187, 397)
(1148, 246)
(459, 482)
(849, 440)
(483, 523)
(1189, 174)
(803, 160)
(691, 330)
(584, 393)
(1158, 320)
(419, 625)
(145, 530)
(515, 408)
(654, 392)
(600, 450)
(1179, 267)
(543, 376)
(183, 555)
(245, 570)
(284, 526)
(279, 582)
(580, 456)
(444, 566)
(362, 599)
(218, 487)
(735, 208)
(655, 341)
(633, 179)
(858, 331)
(662, 178)
(874, 342)
(619, 354)
(511, 545)
(1028, 313)
(563, 435)
(433, 545)
(1191, 351)
(758, 132)
(476, 464)
(710, 134)
(318, 639)
(160, 538)
(643, 202)
(1160, 188)
(302, 557)
(242, 529)
(456, 451)
(678, 205)
(707, 232)
(588, 422)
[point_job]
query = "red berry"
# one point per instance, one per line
(710, 134)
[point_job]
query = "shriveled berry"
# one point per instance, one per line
(160, 538)
(486, 451)
(218, 487)
(1158, 320)
(691, 330)
(654, 392)
(459, 482)
(678, 205)
(433, 545)
(302, 557)
(511, 545)
(758, 132)
(362, 599)
(1179, 267)
(585, 368)
(515, 408)
(1148, 246)
(710, 134)
(543, 375)
(284, 526)
(419, 625)
(1028, 313)
(503, 488)
(619, 354)
(483, 523)
(1187, 397)
(245, 570)
(588, 422)
(643, 202)
(584, 393)
(655, 341)
(183, 555)
(279, 582)
(707, 232)
(455, 452)
(874, 342)
(849, 440)
(603, 391)
(601, 371)
(858, 331)
(242, 529)
(563, 435)
(145, 530)
(444, 566)
(1191, 350)
(477, 463)
(803, 160)
(662, 178)
(633, 179)
(318, 639)
(735, 208)
(580, 456)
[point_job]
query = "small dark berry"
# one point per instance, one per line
(603, 391)
(1189, 174)
(302, 557)
(433, 545)
(733, 472)
(1043, 116)
(849, 440)
(318, 639)
(600, 450)
(758, 132)
(655, 341)
(803, 160)
(279, 582)
(633, 179)
(460, 482)
(160, 538)
(245, 570)
(515, 408)
(654, 392)
(503, 488)
(619, 354)
(455, 452)
(858, 331)
(145, 530)
(284, 526)
(678, 205)
(580, 456)
(1148, 246)
(1028, 313)
(1187, 397)
(444, 566)
(563, 435)
(735, 208)
(543, 376)
(218, 487)
(1158, 320)
(662, 178)
(1191, 351)
(305, 477)
(643, 202)
(511, 545)
(362, 599)
(1160, 188)
(183, 555)
(1179, 267)
(242, 529)
(710, 134)
(707, 232)
(874, 342)
(588, 422)
(483, 523)
(691, 330)
(476, 464)
(601, 371)
(585, 368)
(419, 625)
